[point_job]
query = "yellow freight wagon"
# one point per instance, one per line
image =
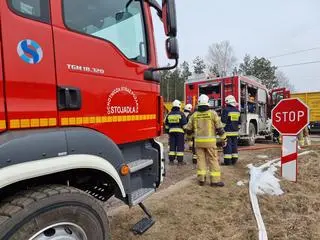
(312, 99)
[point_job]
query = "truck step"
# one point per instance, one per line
(137, 165)
(141, 194)
(143, 225)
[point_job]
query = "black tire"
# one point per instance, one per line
(29, 212)
(252, 135)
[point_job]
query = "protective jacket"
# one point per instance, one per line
(175, 121)
(205, 124)
(230, 118)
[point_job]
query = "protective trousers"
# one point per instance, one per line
(304, 138)
(210, 155)
(176, 151)
(194, 153)
(231, 151)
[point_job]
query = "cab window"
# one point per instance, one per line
(120, 22)
(33, 9)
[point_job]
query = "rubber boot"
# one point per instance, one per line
(201, 183)
(227, 161)
(234, 161)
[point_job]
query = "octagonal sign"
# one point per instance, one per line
(290, 116)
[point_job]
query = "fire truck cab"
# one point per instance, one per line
(80, 111)
(252, 98)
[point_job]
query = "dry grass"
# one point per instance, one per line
(186, 211)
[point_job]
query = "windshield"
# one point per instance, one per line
(120, 22)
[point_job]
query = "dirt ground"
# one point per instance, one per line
(185, 211)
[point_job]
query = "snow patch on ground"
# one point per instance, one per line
(264, 181)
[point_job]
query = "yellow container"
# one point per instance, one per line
(312, 99)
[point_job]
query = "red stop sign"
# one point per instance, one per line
(290, 116)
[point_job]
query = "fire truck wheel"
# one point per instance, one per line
(252, 135)
(53, 212)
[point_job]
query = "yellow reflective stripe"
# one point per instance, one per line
(234, 116)
(224, 136)
(215, 174)
(235, 155)
(174, 118)
(180, 154)
(179, 130)
(227, 156)
(205, 140)
(202, 172)
(172, 153)
(232, 134)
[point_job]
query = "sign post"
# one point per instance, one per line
(289, 117)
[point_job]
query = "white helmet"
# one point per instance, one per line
(188, 107)
(231, 100)
(203, 100)
(176, 103)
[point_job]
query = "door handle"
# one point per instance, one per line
(69, 98)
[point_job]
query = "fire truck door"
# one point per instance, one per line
(2, 105)
(101, 55)
(28, 57)
(262, 99)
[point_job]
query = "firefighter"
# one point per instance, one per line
(175, 123)
(190, 138)
(205, 124)
(187, 110)
(230, 117)
(304, 138)
(251, 104)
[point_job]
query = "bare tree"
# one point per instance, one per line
(283, 80)
(221, 56)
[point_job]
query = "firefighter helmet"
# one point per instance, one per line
(231, 100)
(176, 103)
(203, 100)
(188, 107)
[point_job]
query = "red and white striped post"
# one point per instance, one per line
(289, 156)
(289, 117)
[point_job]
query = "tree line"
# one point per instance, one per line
(220, 62)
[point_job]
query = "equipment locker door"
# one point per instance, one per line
(29, 72)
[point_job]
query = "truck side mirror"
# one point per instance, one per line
(172, 48)
(169, 17)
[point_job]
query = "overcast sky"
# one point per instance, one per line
(259, 28)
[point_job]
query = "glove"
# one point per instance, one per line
(222, 143)
(225, 143)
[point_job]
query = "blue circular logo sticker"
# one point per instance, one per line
(30, 51)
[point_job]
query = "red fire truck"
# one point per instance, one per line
(80, 109)
(254, 102)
